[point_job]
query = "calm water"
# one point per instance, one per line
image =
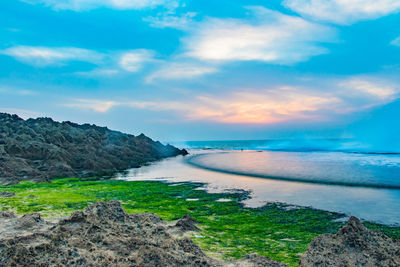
(317, 177)
(382, 171)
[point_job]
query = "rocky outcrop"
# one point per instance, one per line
(7, 194)
(42, 149)
(187, 223)
(353, 245)
(102, 235)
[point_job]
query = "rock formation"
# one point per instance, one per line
(102, 235)
(353, 245)
(41, 149)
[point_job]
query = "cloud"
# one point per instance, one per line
(268, 36)
(171, 20)
(343, 11)
(172, 71)
(16, 91)
(373, 88)
(23, 113)
(96, 105)
(239, 107)
(45, 56)
(396, 42)
(133, 61)
(81, 5)
(271, 105)
(104, 72)
(109, 64)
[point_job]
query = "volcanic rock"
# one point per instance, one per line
(7, 194)
(187, 223)
(353, 245)
(102, 235)
(42, 149)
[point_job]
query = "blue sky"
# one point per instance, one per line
(198, 70)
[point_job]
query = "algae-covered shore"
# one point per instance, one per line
(228, 229)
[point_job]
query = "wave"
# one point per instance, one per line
(330, 168)
(294, 145)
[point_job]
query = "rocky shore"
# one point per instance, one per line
(42, 149)
(103, 234)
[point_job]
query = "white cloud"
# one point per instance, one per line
(171, 20)
(381, 90)
(134, 60)
(269, 36)
(45, 56)
(81, 5)
(172, 71)
(108, 64)
(343, 11)
(396, 42)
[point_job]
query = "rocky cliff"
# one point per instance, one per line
(42, 149)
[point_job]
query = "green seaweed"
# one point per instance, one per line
(229, 230)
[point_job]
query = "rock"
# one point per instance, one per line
(255, 260)
(187, 223)
(353, 245)
(103, 234)
(42, 149)
(7, 214)
(7, 194)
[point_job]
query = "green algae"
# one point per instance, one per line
(229, 230)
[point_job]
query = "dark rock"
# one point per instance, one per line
(7, 194)
(187, 223)
(7, 214)
(353, 245)
(259, 261)
(103, 235)
(42, 149)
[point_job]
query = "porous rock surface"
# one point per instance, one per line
(42, 149)
(102, 235)
(353, 245)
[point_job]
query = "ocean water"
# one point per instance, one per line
(325, 174)
(350, 169)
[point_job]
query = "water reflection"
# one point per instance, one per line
(380, 205)
(318, 167)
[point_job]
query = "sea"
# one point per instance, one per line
(330, 174)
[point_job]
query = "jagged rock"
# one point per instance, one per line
(7, 194)
(42, 149)
(187, 223)
(255, 260)
(353, 245)
(102, 235)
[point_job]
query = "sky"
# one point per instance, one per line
(206, 70)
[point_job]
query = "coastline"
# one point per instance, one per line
(190, 160)
(229, 229)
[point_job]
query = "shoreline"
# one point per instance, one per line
(229, 229)
(189, 160)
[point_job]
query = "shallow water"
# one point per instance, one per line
(374, 204)
(339, 168)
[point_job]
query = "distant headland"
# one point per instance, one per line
(42, 149)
